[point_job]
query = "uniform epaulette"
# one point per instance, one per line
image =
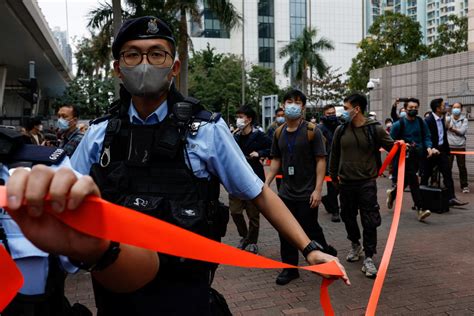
(207, 116)
(100, 119)
(38, 155)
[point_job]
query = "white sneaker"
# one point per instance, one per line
(422, 214)
(465, 190)
(390, 197)
(369, 268)
(355, 253)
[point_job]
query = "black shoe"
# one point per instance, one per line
(456, 202)
(335, 218)
(286, 276)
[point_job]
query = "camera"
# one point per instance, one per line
(370, 85)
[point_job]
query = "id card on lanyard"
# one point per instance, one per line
(291, 142)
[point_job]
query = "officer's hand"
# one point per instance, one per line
(315, 199)
(318, 257)
(254, 154)
(43, 229)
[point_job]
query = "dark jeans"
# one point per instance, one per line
(361, 196)
(308, 219)
(442, 162)
(461, 161)
(412, 165)
(330, 202)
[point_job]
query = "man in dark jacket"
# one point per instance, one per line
(354, 163)
(328, 125)
(439, 138)
(254, 145)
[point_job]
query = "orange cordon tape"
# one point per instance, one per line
(105, 220)
(462, 152)
(326, 178)
(387, 254)
(11, 279)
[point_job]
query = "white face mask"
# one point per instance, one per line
(240, 123)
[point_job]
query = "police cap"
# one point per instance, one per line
(146, 27)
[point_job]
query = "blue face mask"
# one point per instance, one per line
(292, 111)
(62, 124)
(403, 114)
(456, 111)
(346, 116)
(280, 120)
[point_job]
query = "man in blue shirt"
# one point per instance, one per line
(160, 154)
(414, 131)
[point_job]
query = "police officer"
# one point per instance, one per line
(161, 154)
(43, 290)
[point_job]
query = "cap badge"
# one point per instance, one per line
(152, 27)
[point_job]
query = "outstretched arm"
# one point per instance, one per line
(26, 192)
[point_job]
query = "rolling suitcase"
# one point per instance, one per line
(435, 198)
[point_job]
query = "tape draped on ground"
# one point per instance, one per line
(105, 220)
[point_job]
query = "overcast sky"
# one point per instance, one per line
(55, 14)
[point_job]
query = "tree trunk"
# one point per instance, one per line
(304, 81)
(183, 53)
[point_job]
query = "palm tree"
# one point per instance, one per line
(101, 19)
(304, 53)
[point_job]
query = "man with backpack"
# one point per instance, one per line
(353, 167)
(298, 149)
(414, 131)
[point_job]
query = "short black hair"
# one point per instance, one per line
(32, 122)
(328, 106)
(357, 99)
(435, 103)
(414, 100)
(279, 110)
(295, 94)
(75, 109)
(249, 112)
(388, 120)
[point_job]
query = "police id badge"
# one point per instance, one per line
(291, 171)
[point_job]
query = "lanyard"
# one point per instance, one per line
(291, 141)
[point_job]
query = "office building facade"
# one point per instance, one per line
(269, 25)
(429, 13)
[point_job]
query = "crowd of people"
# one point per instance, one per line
(164, 155)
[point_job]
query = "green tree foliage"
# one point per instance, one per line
(452, 37)
(215, 79)
(304, 52)
(393, 39)
(174, 12)
(92, 95)
(331, 88)
(92, 89)
(261, 82)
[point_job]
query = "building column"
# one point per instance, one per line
(470, 25)
(3, 81)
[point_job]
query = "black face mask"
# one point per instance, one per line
(412, 113)
(329, 119)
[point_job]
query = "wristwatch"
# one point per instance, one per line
(313, 245)
(107, 259)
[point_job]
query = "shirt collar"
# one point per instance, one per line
(157, 116)
(436, 116)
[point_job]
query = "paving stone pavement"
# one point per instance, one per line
(431, 271)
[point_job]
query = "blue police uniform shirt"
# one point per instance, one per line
(212, 150)
(32, 262)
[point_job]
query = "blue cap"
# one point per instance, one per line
(146, 27)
